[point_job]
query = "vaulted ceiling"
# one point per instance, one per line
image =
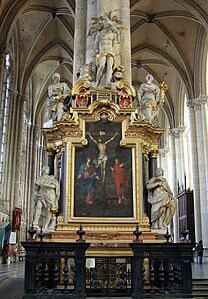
(168, 41)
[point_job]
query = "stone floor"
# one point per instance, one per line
(12, 279)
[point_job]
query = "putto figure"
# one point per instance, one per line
(161, 198)
(149, 99)
(46, 197)
(59, 95)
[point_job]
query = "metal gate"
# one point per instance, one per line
(109, 276)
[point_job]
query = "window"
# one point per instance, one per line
(4, 115)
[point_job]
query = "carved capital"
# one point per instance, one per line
(163, 151)
(176, 132)
(203, 99)
(194, 104)
(153, 151)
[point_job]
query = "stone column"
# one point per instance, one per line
(178, 135)
(173, 186)
(200, 105)
(163, 160)
(196, 187)
(204, 116)
(90, 42)
(79, 37)
(125, 45)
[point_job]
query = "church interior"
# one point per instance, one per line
(104, 137)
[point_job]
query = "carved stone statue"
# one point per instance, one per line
(105, 30)
(161, 198)
(149, 99)
(47, 192)
(105, 59)
(59, 96)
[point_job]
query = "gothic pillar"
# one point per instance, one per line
(196, 185)
(125, 45)
(178, 136)
(18, 152)
(163, 160)
(79, 37)
(200, 106)
(90, 42)
(173, 184)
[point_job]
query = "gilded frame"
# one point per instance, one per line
(136, 184)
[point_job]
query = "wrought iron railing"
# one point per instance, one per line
(57, 270)
(54, 270)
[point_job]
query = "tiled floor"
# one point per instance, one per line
(12, 278)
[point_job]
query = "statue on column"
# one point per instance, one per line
(46, 197)
(59, 95)
(161, 198)
(106, 31)
(149, 99)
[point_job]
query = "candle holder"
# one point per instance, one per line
(137, 232)
(32, 231)
(185, 233)
(80, 232)
(41, 234)
(167, 236)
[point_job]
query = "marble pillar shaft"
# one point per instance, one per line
(196, 188)
(201, 129)
(173, 185)
(125, 45)
(79, 37)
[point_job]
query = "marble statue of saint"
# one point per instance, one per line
(46, 197)
(59, 95)
(161, 198)
(149, 99)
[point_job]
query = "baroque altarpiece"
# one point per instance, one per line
(106, 147)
